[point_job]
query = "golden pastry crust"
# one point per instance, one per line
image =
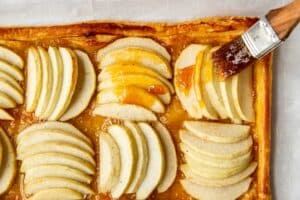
(174, 36)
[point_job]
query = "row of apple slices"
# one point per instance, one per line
(60, 82)
(57, 159)
(11, 92)
(204, 94)
(7, 162)
(136, 158)
(133, 82)
(218, 160)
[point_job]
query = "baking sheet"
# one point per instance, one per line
(286, 84)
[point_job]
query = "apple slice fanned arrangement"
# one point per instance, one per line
(136, 158)
(204, 94)
(218, 160)
(60, 82)
(7, 162)
(11, 75)
(133, 83)
(57, 159)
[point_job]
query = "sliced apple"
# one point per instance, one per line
(34, 79)
(211, 84)
(152, 85)
(189, 174)
(156, 163)
(218, 132)
(57, 159)
(5, 115)
(201, 93)
(11, 80)
(48, 135)
(45, 183)
(215, 193)
(11, 91)
(56, 194)
(57, 71)
(1, 154)
(11, 57)
(130, 95)
(47, 78)
(70, 74)
(128, 155)
(12, 70)
(243, 95)
(119, 69)
(69, 128)
(170, 157)
(59, 147)
(110, 163)
(6, 101)
(9, 164)
(184, 78)
(142, 158)
(125, 112)
(141, 56)
(86, 85)
(56, 171)
(216, 150)
(144, 43)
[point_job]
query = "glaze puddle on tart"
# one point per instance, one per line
(131, 111)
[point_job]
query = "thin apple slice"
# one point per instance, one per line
(48, 135)
(56, 194)
(11, 80)
(156, 163)
(110, 163)
(11, 91)
(202, 95)
(12, 70)
(211, 84)
(125, 112)
(243, 95)
(57, 71)
(184, 78)
(70, 74)
(53, 158)
(6, 101)
(11, 57)
(218, 132)
(45, 183)
(142, 158)
(34, 79)
(189, 174)
(152, 85)
(69, 128)
(119, 69)
(215, 162)
(128, 155)
(170, 156)
(5, 115)
(216, 193)
(216, 150)
(58, 147)
(141, 56)
(9, 164)
(130, 95)
(144, 43)
(85, 88)
(56, 171)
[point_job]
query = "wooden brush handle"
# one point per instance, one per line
(285, 19)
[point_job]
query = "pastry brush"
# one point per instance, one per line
(262, 38)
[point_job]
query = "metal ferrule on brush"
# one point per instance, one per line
(261, 38)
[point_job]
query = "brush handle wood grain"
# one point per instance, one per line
(285, 19)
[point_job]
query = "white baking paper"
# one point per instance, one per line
(286, 84)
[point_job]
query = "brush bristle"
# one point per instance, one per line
(232, 57)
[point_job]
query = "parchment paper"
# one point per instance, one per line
(286, 84)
